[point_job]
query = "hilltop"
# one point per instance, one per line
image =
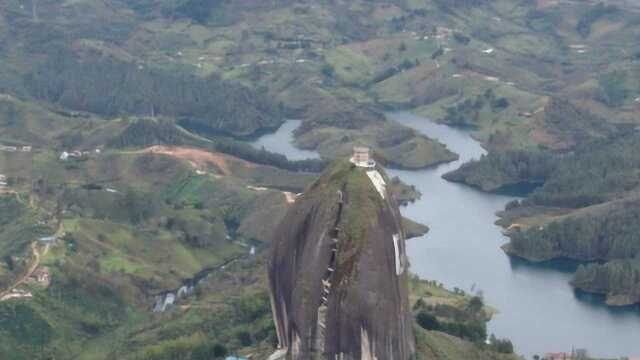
(332, 258)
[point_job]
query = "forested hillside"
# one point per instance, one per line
(619, 280)
(591, 173)
(595, 185)
(602, 232)
(109, 87)
(499, 171)
(154, 102)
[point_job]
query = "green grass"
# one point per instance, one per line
(116, 263)
(350, 67)
(437, 345)
(432, 293)
(147, 254)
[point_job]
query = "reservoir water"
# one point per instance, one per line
(282, 142)
(538, 309)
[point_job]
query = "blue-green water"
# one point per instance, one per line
(282, 142)
(538, 309)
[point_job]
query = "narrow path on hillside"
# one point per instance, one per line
(289, 196)
(37, 256)
(36, 262)
(194, 135)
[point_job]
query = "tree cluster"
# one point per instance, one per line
(467, 113)
(110, 87)
(617, 277)
(593, 14)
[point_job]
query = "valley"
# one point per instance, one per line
(157, 135)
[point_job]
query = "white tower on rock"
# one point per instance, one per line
(362, 157)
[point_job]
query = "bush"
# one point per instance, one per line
(437, 53)
(428, 321)
(500, 104)
(250, 308)
(138, 206)
(471, 330)
(328, 70)
(513, 204)
(592, 15)
(462, 39)
(244, 337)
(476, 304)
(219, 351)
(503, 346)
(612, 90)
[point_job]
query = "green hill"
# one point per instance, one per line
(619, 280)
(547, 87)
(109, 86)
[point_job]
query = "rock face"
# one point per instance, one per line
(338, 271)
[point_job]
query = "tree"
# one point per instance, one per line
(476, 304)
(428, 321)
(244, 337)
(137, 206)
(462, 39)
(219, 351)
(592, 15)
(8, 259)
(328, 70)
(437, 53)
(504, 346)
(612, 89)
(501, 103)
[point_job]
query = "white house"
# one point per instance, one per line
(362, 157)
(8, 148)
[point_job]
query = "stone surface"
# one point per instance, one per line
(338, 288)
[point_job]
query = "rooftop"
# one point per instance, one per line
(362, 157)
(47, 239)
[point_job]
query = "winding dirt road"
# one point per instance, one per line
(199, 158)
(34, 265)
(5, 295)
